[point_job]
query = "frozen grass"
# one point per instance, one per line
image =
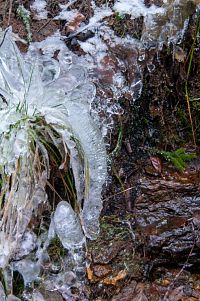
(45, 111)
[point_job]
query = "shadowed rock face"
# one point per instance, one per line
(167, 212)
(168, 215)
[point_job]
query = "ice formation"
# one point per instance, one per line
(60, 112)
(28, 269)
(2, 293)
(67, 227)
(63, 101)
(161, 24)
(39, 6)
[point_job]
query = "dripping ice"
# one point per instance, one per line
(63, 99)
(68, 113)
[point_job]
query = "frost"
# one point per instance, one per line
(136, 8)
(161, 24)
(62, 101)
(96, 19)
(66, 14)
(39, 6)
(46, 98)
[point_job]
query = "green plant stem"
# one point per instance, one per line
(188, 75)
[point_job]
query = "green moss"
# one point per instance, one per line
(119, 16)
(113, 228)
(56, 250)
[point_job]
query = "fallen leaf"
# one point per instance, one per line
(113, 280)
(89, 272)
(156, 162)
(75, 23)
(179, 54)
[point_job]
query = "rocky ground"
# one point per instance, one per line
(149, 245)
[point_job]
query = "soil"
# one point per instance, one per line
(149, 244)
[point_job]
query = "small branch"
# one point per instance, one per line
(10, 11)
(178, 275)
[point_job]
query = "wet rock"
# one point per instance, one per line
(132, 292)
(167, 214)
(182, 293)
(113, 280)
(107, 254)
(101, 270)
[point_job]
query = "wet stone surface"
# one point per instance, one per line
(149, 245)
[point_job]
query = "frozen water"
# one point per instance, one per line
(96, 19)
(13, 298)
(37, 296)
(67, 226)
(2, 293)
(136, 8)
(26, 245)
(39, 6)
(65, 99)
(28, 269)
(68, 113)
(66, 14)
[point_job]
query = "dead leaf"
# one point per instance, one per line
(89, 272)
(179, 54)
(113, 280)
(156, 162)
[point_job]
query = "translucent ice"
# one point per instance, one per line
(28, 269)
(13, 298)
(26, 245)
(67, 226)
(62, 102)
(2, 293)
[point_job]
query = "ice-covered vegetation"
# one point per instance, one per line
(46, 102)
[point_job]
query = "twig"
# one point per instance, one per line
(43, 26)
(10, 11)
(53, 189)
(178, 275)
(121, 192)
